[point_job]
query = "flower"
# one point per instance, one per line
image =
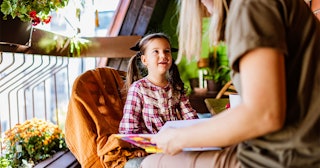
(227, 106)
(31, 142)
(36, 11)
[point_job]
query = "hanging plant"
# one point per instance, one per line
(37, 11)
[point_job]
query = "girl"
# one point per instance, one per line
(273, 48)
(157, 94)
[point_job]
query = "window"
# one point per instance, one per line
(85, 18)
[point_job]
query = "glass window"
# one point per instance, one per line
(85, 18)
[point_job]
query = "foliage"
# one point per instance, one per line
(77, 45)
(31, 142)
(37, 11)
(219, 64)
(4, 162)
(57, 43)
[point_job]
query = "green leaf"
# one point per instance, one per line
(6, 8)
(22, 8)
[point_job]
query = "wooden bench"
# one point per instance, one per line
(62, 159)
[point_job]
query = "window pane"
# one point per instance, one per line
(94, 19)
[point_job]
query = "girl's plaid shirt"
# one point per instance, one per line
(149, 106)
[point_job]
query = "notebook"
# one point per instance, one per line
(143, 140)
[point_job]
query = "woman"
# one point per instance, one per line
(273, 49)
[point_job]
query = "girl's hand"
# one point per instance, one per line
(140, 153)
(168, 141)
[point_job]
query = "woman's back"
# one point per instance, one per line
(296, 32)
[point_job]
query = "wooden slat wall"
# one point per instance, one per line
(138, 16)
(136, 22)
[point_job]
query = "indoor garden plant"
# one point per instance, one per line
(219, 70)
(220, 63)
(36, 11)
(29, 143)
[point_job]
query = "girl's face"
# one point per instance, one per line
(157, 56)
(208, 4)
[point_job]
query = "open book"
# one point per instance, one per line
(143, 140)
(140, 140)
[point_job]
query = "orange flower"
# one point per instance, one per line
(33, 136)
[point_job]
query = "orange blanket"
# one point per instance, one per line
(94, 113)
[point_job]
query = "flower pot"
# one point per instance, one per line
(213, 86)
(15, 32)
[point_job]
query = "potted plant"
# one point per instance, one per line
(36, 11)
(18, 16)
(219, 70)
(31, 142)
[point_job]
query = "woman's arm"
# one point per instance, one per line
(262, 109)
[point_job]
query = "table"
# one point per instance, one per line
(197, 101)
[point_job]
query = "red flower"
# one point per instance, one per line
(33, 14)
(227, 105)
(35, 21)
(47, 20)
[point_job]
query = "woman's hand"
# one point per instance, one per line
(168, 141)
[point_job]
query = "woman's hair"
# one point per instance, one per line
(136, 70)
(190, 26)
(218, 21)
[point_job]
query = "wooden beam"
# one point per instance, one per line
(48, 43)
(111, 47)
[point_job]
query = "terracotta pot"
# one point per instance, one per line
(14, 31)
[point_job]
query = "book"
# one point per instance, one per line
(143, 140)
(140, 140)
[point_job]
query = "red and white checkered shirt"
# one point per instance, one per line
(149, 106)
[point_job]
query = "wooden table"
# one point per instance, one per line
(197, 101)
